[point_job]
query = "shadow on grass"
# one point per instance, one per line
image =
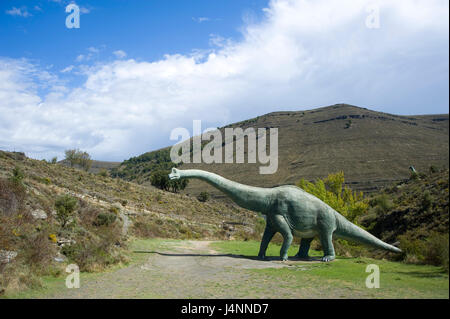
(268, 258)
(438, 273)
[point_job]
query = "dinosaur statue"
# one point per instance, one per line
(290, 211)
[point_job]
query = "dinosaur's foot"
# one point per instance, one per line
(262, 257)
(303, 257)
(328, 258)
(284, 258)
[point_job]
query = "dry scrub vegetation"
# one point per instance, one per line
(52, 215)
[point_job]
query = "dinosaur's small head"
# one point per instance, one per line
(175, 174)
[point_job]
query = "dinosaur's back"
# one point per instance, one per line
(301, 209)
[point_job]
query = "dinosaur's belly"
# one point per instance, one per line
(305, 233)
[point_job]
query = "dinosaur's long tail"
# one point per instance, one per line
(349, 231)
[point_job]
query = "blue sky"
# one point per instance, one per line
(146, 30)
(135, 69)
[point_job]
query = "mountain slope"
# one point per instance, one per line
(373, 149)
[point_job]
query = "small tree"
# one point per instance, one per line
(65, 206)
(71, 157)
(203, 196)
(160, 179)
(54, 160)
(77, 157)
(85, 161)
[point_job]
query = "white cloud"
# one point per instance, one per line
(22, 12)
(120, 54)
(92, 52)
(201, 19)
(302, 54)
(67, 69)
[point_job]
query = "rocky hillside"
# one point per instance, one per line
(51, 215)
(418, 206)
(373, 149)
(44, 182)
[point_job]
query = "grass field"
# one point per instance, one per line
(397, 280)
(161, 268)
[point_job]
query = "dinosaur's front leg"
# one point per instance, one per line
(286, 232)
(269, 232)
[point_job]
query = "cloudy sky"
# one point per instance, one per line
(135, 70)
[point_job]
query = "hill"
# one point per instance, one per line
(373, 149)
(417, 207)
(51, 214)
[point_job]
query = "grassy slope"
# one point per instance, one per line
(170, 214)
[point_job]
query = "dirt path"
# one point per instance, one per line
(190, 269)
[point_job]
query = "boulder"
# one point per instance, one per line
(39, 214)
(6, 256)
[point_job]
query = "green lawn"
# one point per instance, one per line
(397, 280)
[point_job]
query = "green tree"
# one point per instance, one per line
(65, 206)
(161, 180)
(80, 158)
(71, 157)
(332, 191)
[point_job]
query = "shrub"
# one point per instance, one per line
(433, 250)
(382, 204)
(12, 197)
(103, 173)
(331, 190)
(161, 180)
(17, 176)
(94, 252)
(65, 206)
(203, 196)
(426, 200)
(105, 219)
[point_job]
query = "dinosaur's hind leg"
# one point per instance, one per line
(304, 248)
(327, 245)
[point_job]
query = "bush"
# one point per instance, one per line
(12, 197)
(331, 190)
(382, 204)
(94, 252)
(161, 180)
(65, 206)
(17, 176)
(105, 219)
(103, 173)
(432, 250)
(203, 196)
(426, 201)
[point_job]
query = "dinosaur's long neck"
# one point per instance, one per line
(249, 197)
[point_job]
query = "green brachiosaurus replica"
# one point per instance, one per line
(290, 211)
